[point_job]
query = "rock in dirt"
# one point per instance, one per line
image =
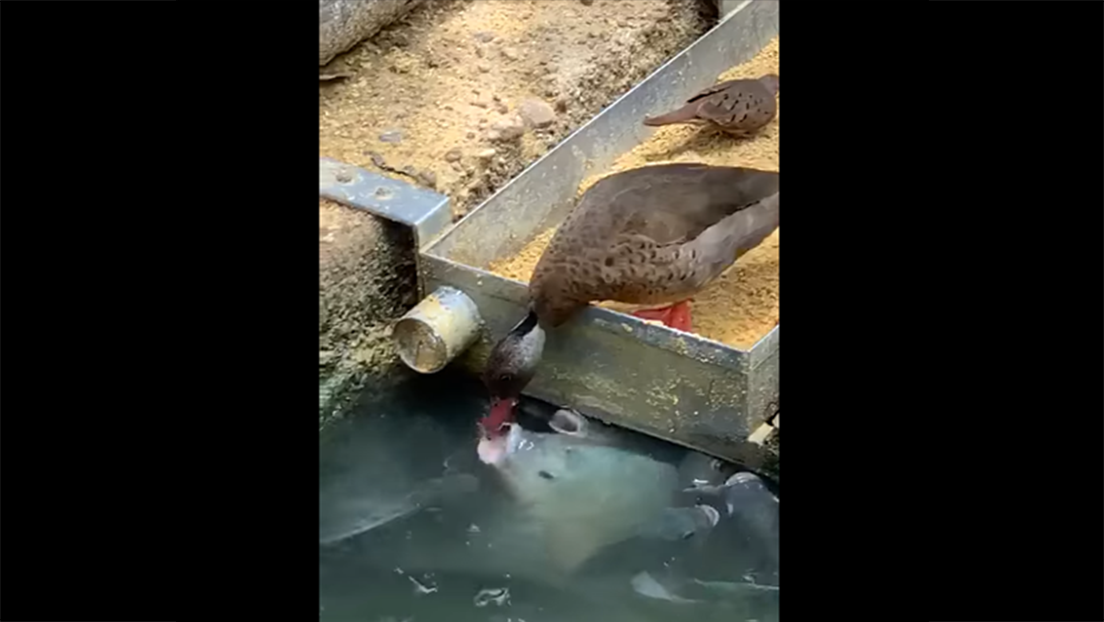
(391, 136)
(452, 155)
(510, 128)
(377, 159)
(537, 113)
(428, 179)
(344, 23)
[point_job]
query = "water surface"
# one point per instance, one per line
(403, 551)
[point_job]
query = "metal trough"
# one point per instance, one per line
(677, 386)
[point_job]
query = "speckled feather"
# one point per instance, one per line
(739, 107)
(653, 235)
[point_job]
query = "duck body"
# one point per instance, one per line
(650, 235)
(653, 235)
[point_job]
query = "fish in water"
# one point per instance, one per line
(752, 509)
(742, 599)
(567, 505)
(583, 491)
(349, 516)
(563, 496)
(699, 470)
(737, 576)
(375, 468)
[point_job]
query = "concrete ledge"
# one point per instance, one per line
(366, 279)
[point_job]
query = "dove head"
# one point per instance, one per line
(771, 82)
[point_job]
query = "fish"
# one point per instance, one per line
(582, 489)
(350, 516)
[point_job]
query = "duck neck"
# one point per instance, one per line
(530, 339)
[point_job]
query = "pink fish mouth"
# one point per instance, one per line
(502, 414)
(492, 450)
(496, 449)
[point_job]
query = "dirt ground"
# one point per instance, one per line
(461, 95)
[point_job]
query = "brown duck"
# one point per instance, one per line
(650, 236)
(739, 107)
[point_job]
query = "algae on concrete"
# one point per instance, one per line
(366, 280)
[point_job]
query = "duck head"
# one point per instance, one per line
(511, 365)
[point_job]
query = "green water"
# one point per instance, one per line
(436, 557)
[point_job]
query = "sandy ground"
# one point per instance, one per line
(462, 95)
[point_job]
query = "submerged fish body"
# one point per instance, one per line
(359, 517)
(353, 515)
(707, 600)
(580, 504)
(569, 494)
(580, 489)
